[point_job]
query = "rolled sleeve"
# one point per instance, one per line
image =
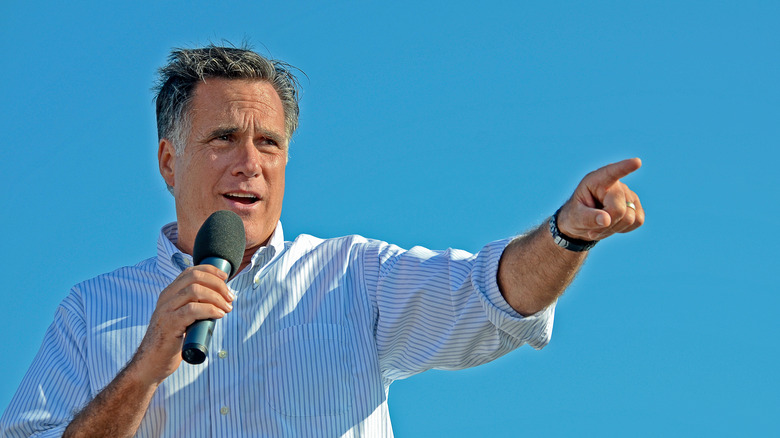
(536, 329)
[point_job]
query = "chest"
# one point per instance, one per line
(298, 344)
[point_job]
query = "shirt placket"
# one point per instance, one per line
(224, 355)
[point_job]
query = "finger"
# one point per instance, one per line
(626, 224)
(179, 310)
(612, 173)
(631, 220)
(197, 293)
(581, 221)
(638, 213)
(205, 275)
(614, 203)
(211, 269)
(169, 327)
(217, 284)
(192, 312)
(194, 294)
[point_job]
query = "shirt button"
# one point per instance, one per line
(224, 410)
(222, 354)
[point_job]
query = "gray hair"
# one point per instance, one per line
(188, 67)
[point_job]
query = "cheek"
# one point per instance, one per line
(278, 170)
(203, 168)
(274, 163)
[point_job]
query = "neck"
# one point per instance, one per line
(247, 258)
(186, 246)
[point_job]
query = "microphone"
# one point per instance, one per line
(220, 242)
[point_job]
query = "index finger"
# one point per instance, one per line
(212, 269)
(611, 173)
(204, 275)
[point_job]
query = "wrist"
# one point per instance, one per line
(138, 375)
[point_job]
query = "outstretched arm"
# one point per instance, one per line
(534, 270)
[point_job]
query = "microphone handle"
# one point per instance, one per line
(198, 335)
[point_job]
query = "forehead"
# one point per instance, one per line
(240, 102)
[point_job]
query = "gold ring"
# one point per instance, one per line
(631, 205)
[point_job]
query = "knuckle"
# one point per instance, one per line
(190, 272)
(186, 308)
(198, 274)
(617, 215)
(187, 291)
(200, 293)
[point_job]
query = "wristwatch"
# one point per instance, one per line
(567, 242)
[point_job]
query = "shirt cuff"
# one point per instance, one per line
(536, 329)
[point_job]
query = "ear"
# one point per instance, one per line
(166, 158)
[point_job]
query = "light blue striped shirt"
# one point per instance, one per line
(319, 331)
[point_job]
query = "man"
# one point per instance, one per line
(311, 332)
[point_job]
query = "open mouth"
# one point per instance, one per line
(242, 198)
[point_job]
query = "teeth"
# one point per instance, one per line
(241, 195)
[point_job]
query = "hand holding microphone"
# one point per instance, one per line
(198, 293)
(220, 242)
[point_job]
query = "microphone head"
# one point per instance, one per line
(221, 236)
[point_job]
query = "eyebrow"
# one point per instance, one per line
(229, 130)
(222, 130)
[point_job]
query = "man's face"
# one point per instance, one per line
(234, 159)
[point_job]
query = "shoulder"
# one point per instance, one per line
(306, 242)
(141, 276)
(143, 269)
(352, 249)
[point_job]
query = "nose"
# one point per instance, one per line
(247, 160)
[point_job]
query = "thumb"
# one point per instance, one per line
(583, 222)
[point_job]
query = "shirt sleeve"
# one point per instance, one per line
(56, 386)
(443, 309)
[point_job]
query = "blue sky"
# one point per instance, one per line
(447, 124)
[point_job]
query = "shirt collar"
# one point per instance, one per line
(266, 253)
(173, 261)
